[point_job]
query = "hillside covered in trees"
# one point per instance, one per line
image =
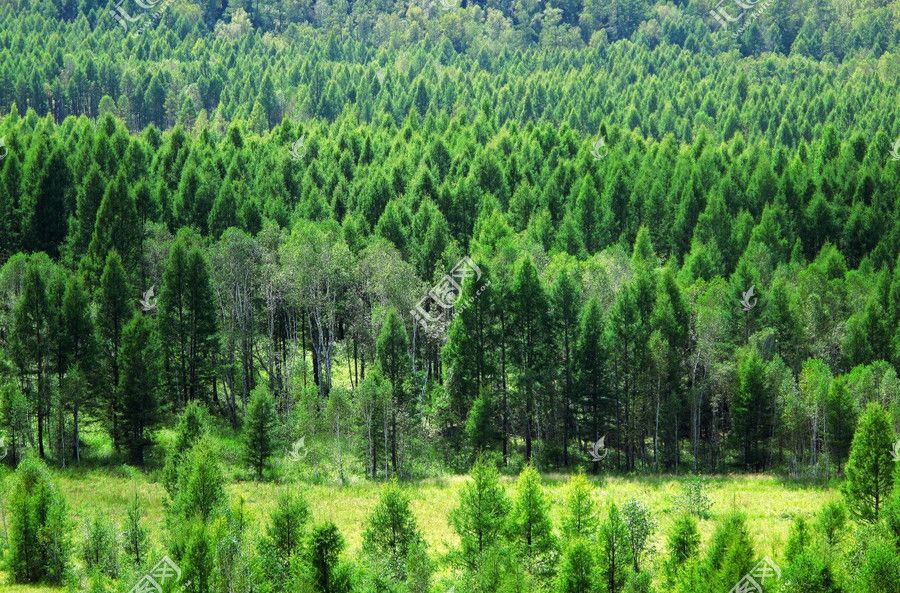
(391, 240)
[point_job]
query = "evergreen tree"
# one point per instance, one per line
(530, 525)
(870, 467)
(392, 350)
(391, 533)
(38, 527)
(114, 311)
(615, 551)
(259, 428)
(139, 360)
(480, 519)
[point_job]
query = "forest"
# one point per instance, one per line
(614, 285)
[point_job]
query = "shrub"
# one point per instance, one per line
(322, 560)
(259, 430)
(809, 573)
(798, 539)
(530, 523)
(580, 518)
(283, 539)
(639, 582)
(615, 553)
(134, 536)
(730, 554)
(880, 572)
(481, 516)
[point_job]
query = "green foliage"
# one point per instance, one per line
(322, 557)
(139, 361)
(640, 524)
(809, 572)
(798, 539)
(134, 534)
(693, 499)
(831, 520)
(615, 551)
(200, 493)
(730, 554)
(284, 538)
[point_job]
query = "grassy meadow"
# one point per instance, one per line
(769, 502)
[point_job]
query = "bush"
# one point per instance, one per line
(730, 554)
(639, 582)
(38, 530)
(640, 525)
(870, 467)
(283, 539)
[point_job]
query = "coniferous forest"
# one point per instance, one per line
(436, 296)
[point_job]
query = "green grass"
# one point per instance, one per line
(768, 502)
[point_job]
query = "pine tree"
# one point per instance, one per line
(391, 532)
(116, 229)
(481, 516)
(392, 348)
(30, 341)
(615, 551)
(577, 573)
(580, 518)
(259, 428)
(870, 467)
(38, 527)
(139, 360)
(322, 557)
(114, 311)
(530, 525)
(529, 317)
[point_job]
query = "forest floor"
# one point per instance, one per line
(769, 502)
